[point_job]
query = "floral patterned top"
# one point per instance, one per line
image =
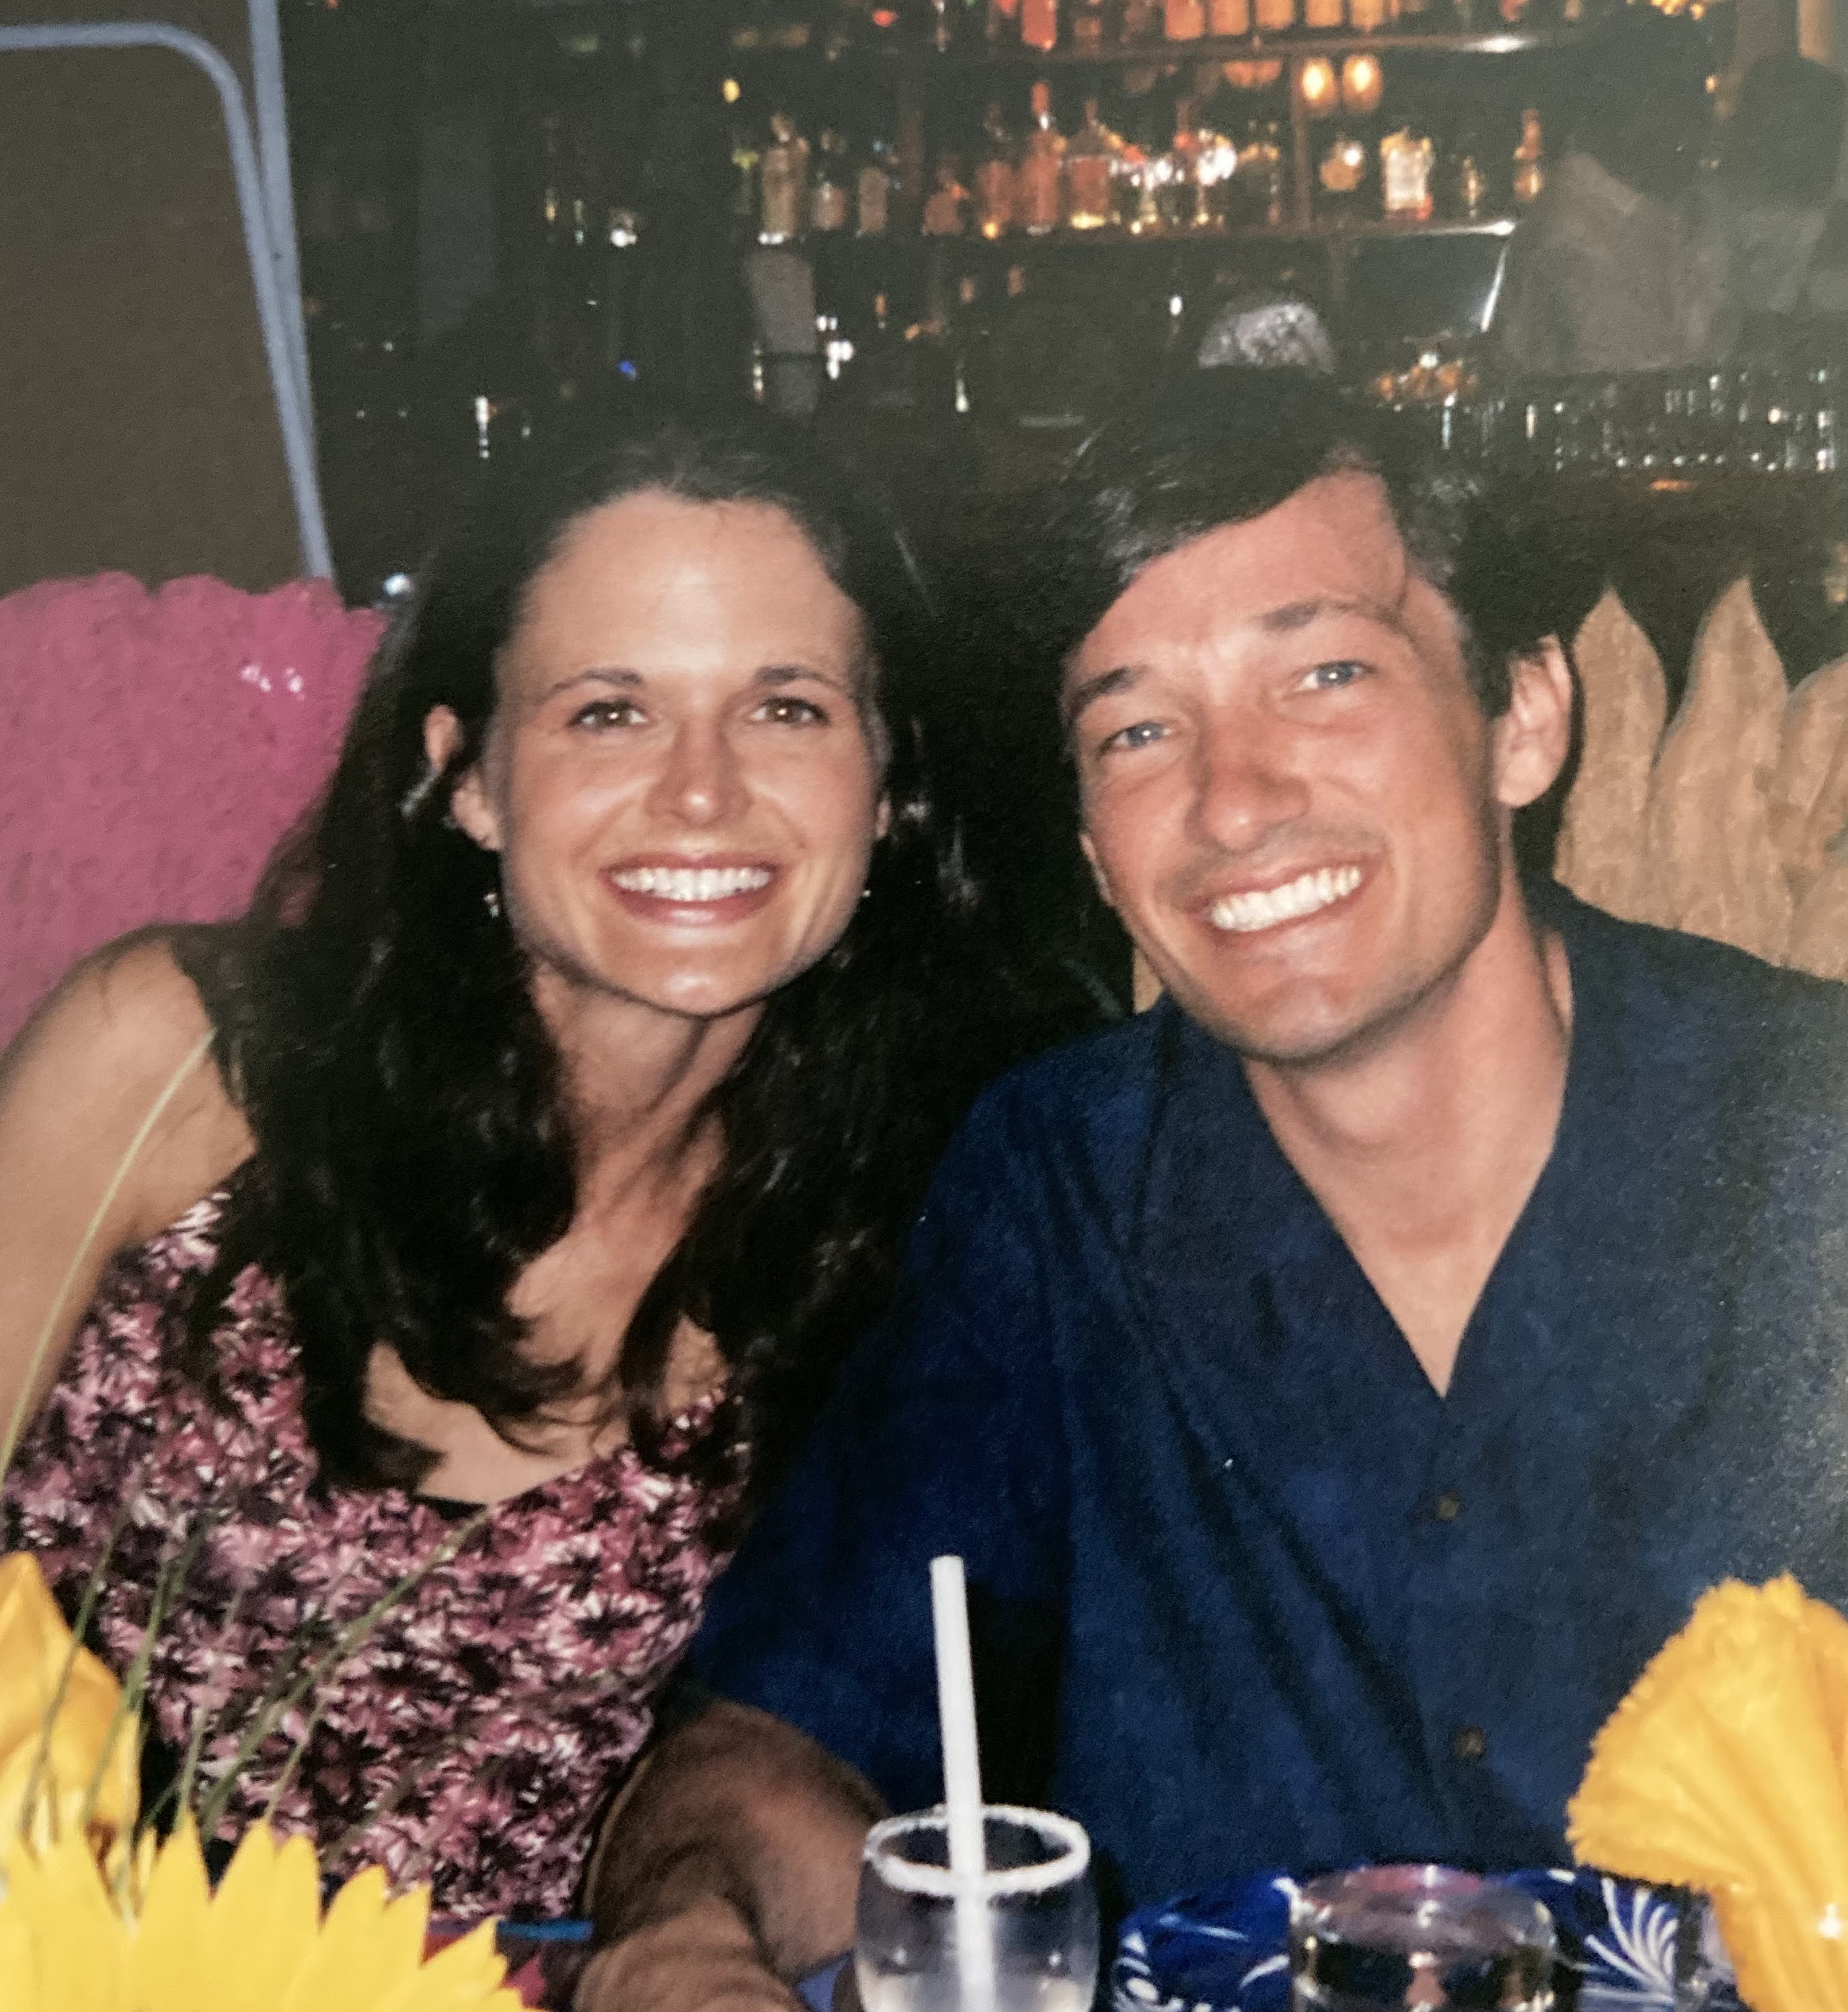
(472, 1736)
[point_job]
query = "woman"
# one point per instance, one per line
(512, 1177)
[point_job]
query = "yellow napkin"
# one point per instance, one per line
(1726, 1769)
(35, 1653)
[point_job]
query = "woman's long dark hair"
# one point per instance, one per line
(414, 1147)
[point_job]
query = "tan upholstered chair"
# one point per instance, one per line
(1730, 820)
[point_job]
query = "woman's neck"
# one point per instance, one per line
(639, 1083)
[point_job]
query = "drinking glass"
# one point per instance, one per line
(1401, 1936)
(1035, 1895)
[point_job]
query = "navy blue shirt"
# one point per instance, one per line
(1246, 1591)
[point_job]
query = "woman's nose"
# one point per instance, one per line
(701, 781)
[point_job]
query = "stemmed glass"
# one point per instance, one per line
(1392, 1936)
(1035, 1893)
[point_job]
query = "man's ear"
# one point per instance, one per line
(468, 804)
(1091, 857)
(1531, 739)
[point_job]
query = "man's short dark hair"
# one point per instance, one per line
(1230, 445)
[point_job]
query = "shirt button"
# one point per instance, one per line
(1448, 1507)
(1469, 1742)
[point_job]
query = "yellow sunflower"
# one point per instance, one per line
(88, 1760)
(91, 1921)
(260, 1943)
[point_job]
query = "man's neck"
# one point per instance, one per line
(1424, 1148)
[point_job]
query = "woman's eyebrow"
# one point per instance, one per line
(770, 675)
(615, 676)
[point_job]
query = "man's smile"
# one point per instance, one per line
(1265, 908)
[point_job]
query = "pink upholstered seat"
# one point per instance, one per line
(154, 747)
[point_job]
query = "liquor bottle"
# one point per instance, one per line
(1367, 17)
(1215, 168)
(1275, 17)
(1003, 24)
(996, 178)
(1341, 173)
(1266, 164)
(1089, 19)
(1040, 24)
(783, 182)
(1465, 192)
(1040, 197)
(1515, 13)
(1139, 22)
(1530, 159)
(880, 374)
(745, 156)
(1326, 17)
(946, 209)
(1138, 204)
(1228, 17)
(1091, 171)
(1176, 185)
(971, 338)
(1183, 20)
(1405, 161)
(872, 191)
(829, 201)
(967, 331)
(1416, 17)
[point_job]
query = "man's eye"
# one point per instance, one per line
(1333, 677)
(603, 712)
(1140, 735)
(786, 711)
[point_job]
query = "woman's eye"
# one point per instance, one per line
(785, 710)
(1335, 676)
(602, 712)
(1141, 735)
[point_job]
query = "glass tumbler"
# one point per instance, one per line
(1035, 1898)
(1405, 1936)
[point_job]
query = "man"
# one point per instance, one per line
(1611, 270)
(1340, 1380)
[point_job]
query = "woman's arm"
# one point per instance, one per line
(118, 1051)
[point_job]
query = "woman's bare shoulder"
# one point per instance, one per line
(122, 1049)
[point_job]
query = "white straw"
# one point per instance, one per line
(962, 1783)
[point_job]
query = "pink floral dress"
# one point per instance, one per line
(473, 1736)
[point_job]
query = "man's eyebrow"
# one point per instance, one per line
(1297, 614)
(1102, 686)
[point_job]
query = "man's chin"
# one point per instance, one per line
(1309, 1031)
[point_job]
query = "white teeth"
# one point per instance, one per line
(1302, 896)
(694, 884)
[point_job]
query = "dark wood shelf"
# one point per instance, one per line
(828, 244)
(1207, 48)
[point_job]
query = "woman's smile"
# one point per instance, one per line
(699, 892)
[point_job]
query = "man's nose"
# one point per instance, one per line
(1247, 782)
(701, 781)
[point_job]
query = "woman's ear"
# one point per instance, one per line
(468, 803)
(1533, 737)
(881, 819)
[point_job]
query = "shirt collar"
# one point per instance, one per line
(1220, 1197)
